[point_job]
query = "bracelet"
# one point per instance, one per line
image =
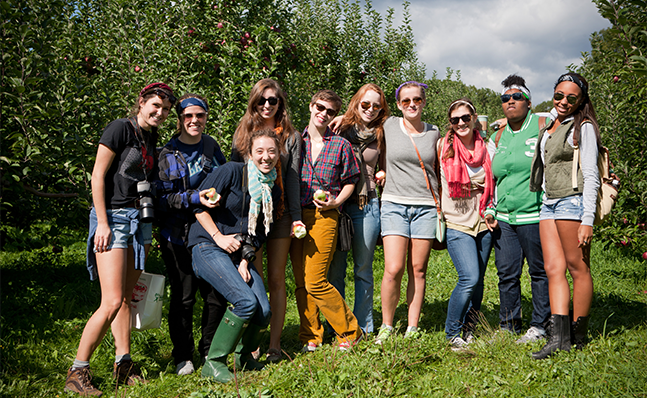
(212, 235)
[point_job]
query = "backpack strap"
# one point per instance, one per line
(207, 154)
(498, 137)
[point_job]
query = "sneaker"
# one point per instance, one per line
(126, 372)
(533, 334)
(347, 344)
(385, 332)
(458, 344)
(412, 332)
(310, 347)
(79, 381)
(469, 337)
(256, 354)
(184, 368)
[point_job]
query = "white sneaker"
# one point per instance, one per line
(458, 344)
(533, 334)
(310, 347)
(469, 337)
(184, 368)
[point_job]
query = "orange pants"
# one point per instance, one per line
(313, 291)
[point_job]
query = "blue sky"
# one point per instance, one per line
(489, 39)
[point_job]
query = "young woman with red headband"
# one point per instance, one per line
(119, 238)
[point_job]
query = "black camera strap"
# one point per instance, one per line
(245, 190)
(142, 143)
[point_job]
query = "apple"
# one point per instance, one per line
(320, 195)
(615, 79)
(299, 231)
(137, 68)
(212, 195)
(645, 256)
(380, 175)
(220, 25)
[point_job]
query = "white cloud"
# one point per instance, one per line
(489, 39)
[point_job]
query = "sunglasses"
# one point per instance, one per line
(416, 101)
(271, 100)
(321, 108)
(190, 116)
(515, 96)
(465, 118)
(572, 99)
(367, 105)
(162, 94)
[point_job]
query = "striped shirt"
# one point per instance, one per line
(335, 166)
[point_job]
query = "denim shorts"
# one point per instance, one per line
(568, 208)
(410, 221)
(122, 236)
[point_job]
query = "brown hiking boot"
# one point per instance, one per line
(126, 372)
(78, 380)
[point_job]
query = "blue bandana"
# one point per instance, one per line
(191, 102)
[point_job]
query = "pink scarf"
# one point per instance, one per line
(455, 169)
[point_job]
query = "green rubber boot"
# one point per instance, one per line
(248, 344)
(227, 335)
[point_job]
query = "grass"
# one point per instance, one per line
(47, 298)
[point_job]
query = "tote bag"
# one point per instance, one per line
(146, 302)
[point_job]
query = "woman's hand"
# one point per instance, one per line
(336, 122)
(204, 201)
(244, 271)
(491, 223)
(102, 238)
(584, 235)
(227, 243)
(330, 202)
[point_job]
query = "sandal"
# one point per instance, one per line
(273, 355)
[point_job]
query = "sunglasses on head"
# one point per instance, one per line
(199, 115)
(321, 108)
(162, 94)
(465, 118)
(416, 101)
(271, 100)
(572, 99)
(515, 96)
(367, 105)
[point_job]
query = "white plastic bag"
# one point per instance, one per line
(146, 302)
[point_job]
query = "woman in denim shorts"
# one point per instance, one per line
(568, 210)
(408, 213)
(119, 240)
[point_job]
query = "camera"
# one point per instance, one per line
(146, 203)
(248, 245)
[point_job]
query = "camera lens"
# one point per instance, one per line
(146, 209)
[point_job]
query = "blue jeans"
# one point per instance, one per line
(470, 256)
(511, 244)
(366, 223)
(249, 300)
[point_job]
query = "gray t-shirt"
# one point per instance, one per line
(405, 184)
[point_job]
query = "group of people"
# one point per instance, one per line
(284, 191)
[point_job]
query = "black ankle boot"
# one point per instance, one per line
(559, 330)
(578, 332)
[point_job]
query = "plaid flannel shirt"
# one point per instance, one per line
(335, 166)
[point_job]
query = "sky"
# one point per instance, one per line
(489, 39)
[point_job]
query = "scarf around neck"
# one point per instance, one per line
(259, 186)
(360, 139)
(458, 179)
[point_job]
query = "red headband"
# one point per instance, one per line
(155, 85)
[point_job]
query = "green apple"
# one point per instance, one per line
(320, 195)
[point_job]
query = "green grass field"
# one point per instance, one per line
(47, 298)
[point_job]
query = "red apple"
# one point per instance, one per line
(137, 68)
(299, 231)
(220, 25)
(380, 175)
(645, 256)
(212, 195)
(615, 79)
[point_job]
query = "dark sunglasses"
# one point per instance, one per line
(162, 94)
(367, 105)
(572, 99)
(321, 108)
(271, 100)
(190, 116)
(416, 101)
(515, 96)
(465, 118)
